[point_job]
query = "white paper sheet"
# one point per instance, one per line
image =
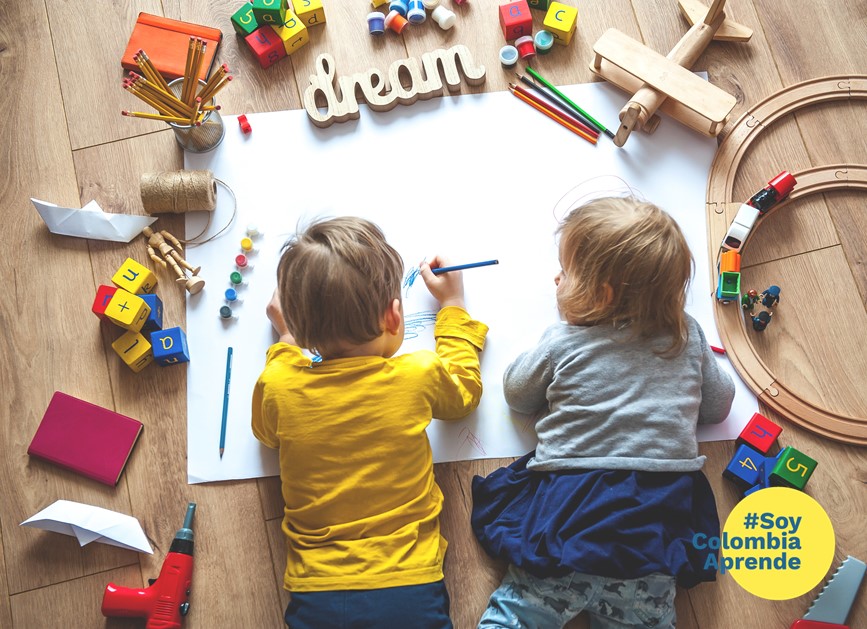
(471, 177)
(91, 524)
(91, 221)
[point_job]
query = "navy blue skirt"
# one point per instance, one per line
(613, 523)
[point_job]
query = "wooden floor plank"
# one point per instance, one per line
(5, 607)
(39, 341)
(74, 604)
(90, 72)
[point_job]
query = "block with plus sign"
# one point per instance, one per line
(793, 469)
(760, 433)
(244, 20)
(561, 20)
(103, 296)
(127, 310)
(155, 318)
(515, 20)
(170, 346)
(269, 11)
(293, 34)
(134, 349)
(310, 12)
(267, 47)
(743, 469)
(134, 277)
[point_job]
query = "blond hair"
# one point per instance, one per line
(337, 277)
(637, 250)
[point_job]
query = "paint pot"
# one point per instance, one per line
(400, 6)
(225, 312)
(508, 56)
(376, 23)
(231, 295)
(394, 21)
(415, 13)
(526, 49)
(241, 261)
(430, 5)
(443, 17)
(544, 42)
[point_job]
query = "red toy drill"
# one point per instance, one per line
(166, 600)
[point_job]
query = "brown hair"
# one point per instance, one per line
(336, 278)
(638, 251)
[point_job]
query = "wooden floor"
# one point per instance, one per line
(64, 141)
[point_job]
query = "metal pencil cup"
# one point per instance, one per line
(202, 138)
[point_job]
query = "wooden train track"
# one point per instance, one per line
(720, 211)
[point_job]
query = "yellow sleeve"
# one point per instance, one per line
(458, 387)
(264, 423)
(281, 358)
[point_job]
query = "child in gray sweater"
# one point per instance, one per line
(602, 515)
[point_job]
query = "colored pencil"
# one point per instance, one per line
(554, 100)
(555, 117)
(226, 401)
(461, 267)
(547, 84)
(555, 110)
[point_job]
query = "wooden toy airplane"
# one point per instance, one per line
(666, 83)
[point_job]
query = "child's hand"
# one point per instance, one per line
(275, 315)
(448, 288)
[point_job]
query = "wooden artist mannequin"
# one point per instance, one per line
(168, 254)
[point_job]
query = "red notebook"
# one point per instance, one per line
(85, 438)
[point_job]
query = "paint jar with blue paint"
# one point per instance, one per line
(376, 23)
(415, 12)
(544, 42)
(400, 6)
(231, 295)
(508, 56)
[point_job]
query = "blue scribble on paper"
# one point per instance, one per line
(415, 323)
(410, 278)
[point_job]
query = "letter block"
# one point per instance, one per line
(310, 12)
(244, 20)
(127, 310)
(135, 278)
(103, 296)
(760, 433)
(515, 19)
(269, 11)
(539, 5)
(561, 20)
(155, 318)
(134, 350)
(743, 469)
(793, 469)
(293, 34)
(170, 346)
(267, 47)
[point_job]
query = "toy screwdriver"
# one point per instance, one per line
(832, 606)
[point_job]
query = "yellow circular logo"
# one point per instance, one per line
(777, 543)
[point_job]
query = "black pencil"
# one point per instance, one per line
(552, 98)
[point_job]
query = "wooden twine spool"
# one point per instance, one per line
(179, 191)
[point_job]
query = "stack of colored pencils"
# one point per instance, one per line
(559, 108)
(186, 108)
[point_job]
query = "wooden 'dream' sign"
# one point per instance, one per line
(383, 93)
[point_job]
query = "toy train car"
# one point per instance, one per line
(777, 189)
(729, 285)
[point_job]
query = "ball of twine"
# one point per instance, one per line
(179, 191)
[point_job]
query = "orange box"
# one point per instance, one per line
(730, 261)
(166, 42)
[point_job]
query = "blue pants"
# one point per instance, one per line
(418, 606)
(526, 602)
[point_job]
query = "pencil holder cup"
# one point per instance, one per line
(198, 138)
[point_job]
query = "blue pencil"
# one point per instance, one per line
(461, 267)
(226, 402)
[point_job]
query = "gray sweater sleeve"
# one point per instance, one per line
(717, 388)
(526, 380)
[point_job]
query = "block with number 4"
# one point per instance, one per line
(266, 45)
(745, 467)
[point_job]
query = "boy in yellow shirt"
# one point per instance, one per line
(361, 504)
